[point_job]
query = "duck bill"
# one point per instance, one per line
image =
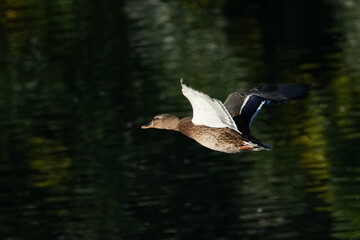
(146, 126)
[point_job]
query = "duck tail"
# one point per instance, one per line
(267, 146)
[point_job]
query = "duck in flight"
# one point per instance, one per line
(225, 127)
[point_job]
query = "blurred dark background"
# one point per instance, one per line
(78, 78)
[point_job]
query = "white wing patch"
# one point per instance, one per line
(208, 111)
(244, 102)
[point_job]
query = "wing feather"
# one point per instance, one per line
(208, 111)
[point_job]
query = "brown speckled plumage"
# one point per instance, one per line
(218, 139)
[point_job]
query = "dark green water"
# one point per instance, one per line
(78, 78)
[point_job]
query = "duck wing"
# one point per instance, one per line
(244, 105)
(208, 111)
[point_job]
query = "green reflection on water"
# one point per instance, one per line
(46, 157)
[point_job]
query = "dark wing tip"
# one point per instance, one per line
(294, 91)
(281, 93)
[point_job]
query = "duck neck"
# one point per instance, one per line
(173, 124)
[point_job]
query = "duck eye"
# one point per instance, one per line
(156, 118)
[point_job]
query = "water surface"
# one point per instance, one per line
(79, 78)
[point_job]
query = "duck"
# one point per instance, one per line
(225, 127)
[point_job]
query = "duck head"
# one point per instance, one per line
(163, 121)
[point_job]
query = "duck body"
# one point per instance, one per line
(225, 127)
(218, 139)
